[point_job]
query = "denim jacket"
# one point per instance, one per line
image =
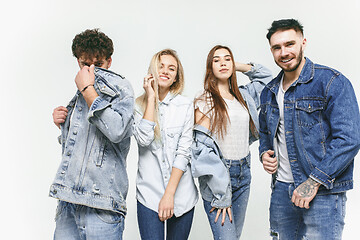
(208, 163)
(95, 142)
(322, 125)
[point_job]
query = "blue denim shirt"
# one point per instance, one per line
(208, 163)
(322, 125)
(95, 142)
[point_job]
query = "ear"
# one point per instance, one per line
(109, 62)
(78, 61)
(304, 41)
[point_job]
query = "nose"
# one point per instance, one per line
(164, 71)
(283, 51)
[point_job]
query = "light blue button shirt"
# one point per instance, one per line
(158, 156)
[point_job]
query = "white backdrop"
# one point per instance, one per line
(38, 70)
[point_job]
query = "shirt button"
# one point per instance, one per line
(80, 109)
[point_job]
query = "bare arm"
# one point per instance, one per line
(166, 205)
(241, 67)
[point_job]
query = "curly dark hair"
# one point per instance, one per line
(92, 43)
(284, 24)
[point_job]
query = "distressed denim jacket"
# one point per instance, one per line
(95, 142)
(322, 126)
(208, 163)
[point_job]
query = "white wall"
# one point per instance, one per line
(37, 73)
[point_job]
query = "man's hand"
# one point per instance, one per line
(85, 77)
(224, 211)
(305, 193)
(166, 207)
(59, 115)
(270, 163)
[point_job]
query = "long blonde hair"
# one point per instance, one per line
(176, 88)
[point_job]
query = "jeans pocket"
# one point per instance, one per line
(109, 216)
(59, 209)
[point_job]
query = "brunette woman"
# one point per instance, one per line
(226, 120)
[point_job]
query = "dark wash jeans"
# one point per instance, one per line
(151, 228)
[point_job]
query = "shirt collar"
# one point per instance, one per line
(169, 96)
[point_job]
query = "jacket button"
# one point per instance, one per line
(68, 153)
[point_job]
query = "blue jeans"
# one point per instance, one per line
(323, 220)
(240, 177)
(151, 228)
(78, 222)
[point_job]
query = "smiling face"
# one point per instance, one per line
(222, 64)
(287, 47)
(167, 72)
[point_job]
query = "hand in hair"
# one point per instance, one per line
(224, 211)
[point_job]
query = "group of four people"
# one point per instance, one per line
(308, 128)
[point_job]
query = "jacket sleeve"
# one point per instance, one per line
(342, 114)
(113, 116)
(183, 151)
(143, 130)
(259, 77)
(208, 167)
(265, 136)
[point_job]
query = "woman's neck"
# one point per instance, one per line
(163, 93)
(224, 90)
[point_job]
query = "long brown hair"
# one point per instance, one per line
(219, 119)
(176, 88)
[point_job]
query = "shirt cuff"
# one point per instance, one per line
(322, 178)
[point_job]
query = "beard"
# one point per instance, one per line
(298, 62)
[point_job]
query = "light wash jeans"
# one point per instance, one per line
(78, 222)
(324, 220)
(240, 177)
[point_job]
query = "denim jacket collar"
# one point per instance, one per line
(306, 75)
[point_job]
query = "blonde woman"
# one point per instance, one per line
(164, 119)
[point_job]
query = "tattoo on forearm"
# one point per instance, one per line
(308, 188)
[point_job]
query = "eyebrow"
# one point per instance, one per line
(218, 56)
(277, 45)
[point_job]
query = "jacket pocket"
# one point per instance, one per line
(308, 111)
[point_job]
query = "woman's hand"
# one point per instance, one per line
(166, 207)
(149, 86)
(223, 210)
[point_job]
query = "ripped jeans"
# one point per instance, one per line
(324, 220)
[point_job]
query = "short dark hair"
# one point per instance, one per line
(92, 43)
(284, 24)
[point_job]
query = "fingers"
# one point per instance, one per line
(217, 215)
(222, 211)
(59, 115)
(230, 215)
(223, 216)
(299, 201)
(165, 214)
(270, 163)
